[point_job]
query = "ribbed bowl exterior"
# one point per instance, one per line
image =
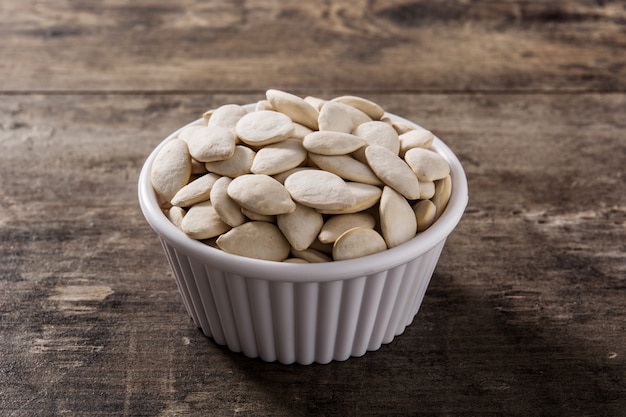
(302, 322)
(303, 313)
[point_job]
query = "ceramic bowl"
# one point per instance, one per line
(304, 313)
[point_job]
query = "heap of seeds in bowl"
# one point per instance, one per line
(294, 179)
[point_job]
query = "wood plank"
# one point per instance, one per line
(524, 315)
(399, 45)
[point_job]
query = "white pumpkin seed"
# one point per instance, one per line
(264, 127)
(427, 165)
(393, 171)
(259, 240)
(171, 169)
(196, 191)
(227, 208)
(261, 194)
(358, 242)
(298, 110)
(340, 223)
(319, 189)
(332, 143)
(202, 222)
(373, 110)
(301, 226)
(425, 214)
(238, 164)
(279, 157)
(211, 143)
(397, 219)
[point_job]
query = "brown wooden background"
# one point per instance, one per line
(525, 314)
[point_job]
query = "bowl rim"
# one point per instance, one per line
(313, 272)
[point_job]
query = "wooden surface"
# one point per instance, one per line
(526, 312)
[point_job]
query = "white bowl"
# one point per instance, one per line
(304, 313)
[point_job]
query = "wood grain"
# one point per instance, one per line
(525, 312)
(394, 46)
(524, 316)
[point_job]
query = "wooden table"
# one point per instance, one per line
(525, 314)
